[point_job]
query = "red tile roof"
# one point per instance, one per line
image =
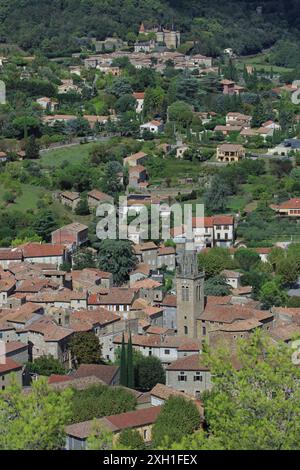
(37, 250)
(9, 366)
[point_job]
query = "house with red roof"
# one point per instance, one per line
(141, 420)
(155, 127)
(289, 208)
(140, 98)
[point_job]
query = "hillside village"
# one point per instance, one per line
(160, 124)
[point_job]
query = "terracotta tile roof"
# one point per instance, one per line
(231, 274)
(6, 285)
(285, 332)
(80, 383)
(291, 204)
(142, 268)
(13, 346)
(223, 220)
(157, 330)
(263, 251)
(36, 285)
(101, 316)
(113, 296)
(131, 419)
(139, 95)
(193, 362)
(9, 366)
(166, 250)
(70, 195)
(10, 254)
(102, 372)
(169, 301)
(241, 325)
(49, 329)
(64, 295)
(152, 311)
(24, 313)
(243, 290)
(232, 313)
(212, 299)
(146, 284)
(37, 250)
(164, 392)
(100, 196)
(55, 378)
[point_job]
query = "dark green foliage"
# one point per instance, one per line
(178, 418)
(46, 365)
(148, 372)
(45, 224)
(85, 348)
(83, 258)
(32, 149)
(117, 257)
(217, 286)
(100, 400)
(131, 439)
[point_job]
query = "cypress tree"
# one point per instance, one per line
(123, 367)
(130, 375)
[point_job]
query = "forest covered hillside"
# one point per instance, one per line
(54, 26)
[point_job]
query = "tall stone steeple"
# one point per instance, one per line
(190, 293)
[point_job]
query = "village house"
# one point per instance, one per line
(74, 235)
(62, 298)
(149, 290)
(8, 256)
(95, 198)
(44, 253)
(67, 86)
(230, 88)
(140, 98)
(141, 420)
(233, 278)
(289, 208)
(166, 348)
(46, 338)
(116, 299)
(47, 104)
(110, 375)
(10, 369)
(209, 232)
(142, 271)
(228, 153)
(138, 176)
(155, 127)
(91, 279)
(238, 119)
(137, 159)
(105, 324)
(7, 287)
(70, 199)
(156, 257)
(228, 322)
(189, 375)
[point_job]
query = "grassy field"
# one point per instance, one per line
(74, 154)
(260, 62)
(27, 200)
